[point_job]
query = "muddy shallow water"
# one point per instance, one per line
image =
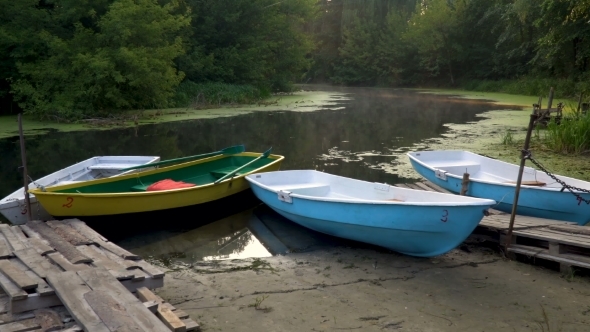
(231, 274)
(358, 133)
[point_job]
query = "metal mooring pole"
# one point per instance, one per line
(523, 158)
(23, 155)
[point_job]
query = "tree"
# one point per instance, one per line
(433, 29)
(565, 47)
(357, 62)
(260, 42)
(120, 60)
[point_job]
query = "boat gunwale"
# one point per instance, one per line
(5, 202)
(472, 200)
(37, 192)
(453, 175)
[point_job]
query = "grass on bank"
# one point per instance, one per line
(531, 86)
(572, 135)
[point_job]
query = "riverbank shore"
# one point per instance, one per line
(498, 134)
(344, 288)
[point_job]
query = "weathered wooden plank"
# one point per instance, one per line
(167, 305)
(3, 304)
(152, 306)
(132, 266)
(138, 275)
(151, 283)
(31, 233)
(74, 328)
(68, 233)
(98, 259)
(40, 246)
(18, 233)
(164, 310)
(88, 232)
(413, 186)
(34, 301)
(34, 261)
(582, 238)
(48, 319)
(572, 229)
(65, 264)
(437, 187)
(569, 259)
(101, 279)
(12, 289)
(5, 249)
(191, 325)
(57, 242)
(127, 263)
(70, 290)
(180, 314)
(21, 279)
(43, 288)
(547, 236)
(145, 295)
(171, 320)
(112, 312)
(424, 187)
(9, 317)
(21, 326)
(153, 271)
(13, 240)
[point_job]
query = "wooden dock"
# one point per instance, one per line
(563, 242)
(63, 276)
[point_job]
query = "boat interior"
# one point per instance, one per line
(323, 185)
(197, 172)
(488, 169)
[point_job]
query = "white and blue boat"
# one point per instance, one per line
(412, 222)
(13, 206)
(540, 196)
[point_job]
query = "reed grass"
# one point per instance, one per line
(507, 138)
(572, 135)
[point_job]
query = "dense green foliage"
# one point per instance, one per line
(208, 94)
(73, 59)
(64, 59)
(530, 43)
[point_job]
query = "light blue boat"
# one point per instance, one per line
(412, 222)
(540, 196)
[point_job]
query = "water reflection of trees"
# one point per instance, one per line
(220, 238)
(375, 119)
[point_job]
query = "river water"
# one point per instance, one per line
(355, 139)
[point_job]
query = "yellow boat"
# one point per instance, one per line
(210, 179)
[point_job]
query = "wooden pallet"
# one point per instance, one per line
(563, 242)
(33, 251)
(85, 279)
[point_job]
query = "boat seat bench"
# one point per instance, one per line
(110, 166)
(219, 173)
(311, 189)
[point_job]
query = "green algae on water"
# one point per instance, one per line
(303, 101)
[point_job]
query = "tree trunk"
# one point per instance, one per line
(451, 73)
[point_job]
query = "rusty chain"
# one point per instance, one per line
(527, 155)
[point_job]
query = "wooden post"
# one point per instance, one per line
(23, 155)
(579, 104)
(464, 184)
(550, 101)
(523, 156)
